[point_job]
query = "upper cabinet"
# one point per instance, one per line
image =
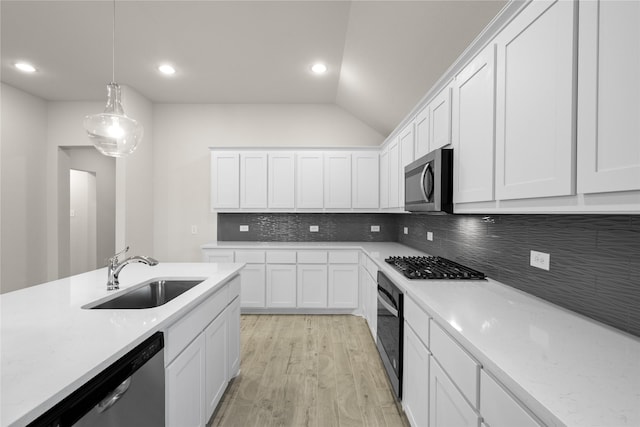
(365, 180)
(473, 129)
(535, 102)
(394, 174)
(384, 178)
(609, 97)
(337, 180)
(310, 185)
(225, 180)
(281, 180)
(406, 142)
(440, 119)
(421, 133)
(253, 180)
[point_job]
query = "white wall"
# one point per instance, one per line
(183, 135)
(23, 175)
(82, 221)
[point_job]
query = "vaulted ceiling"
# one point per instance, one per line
(382, 56)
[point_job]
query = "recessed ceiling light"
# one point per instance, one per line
(27, 68)
(319, 68)
(167, 69)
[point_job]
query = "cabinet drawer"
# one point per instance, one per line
(343, 257)
(281, 257)
(183, 331)
(250, 257)
(217, 255)
(312, 257)
(461, 367)
(417, 319)
(499, 409)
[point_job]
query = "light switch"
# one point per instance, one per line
(194, 229)
(430, 236)
(406, 230)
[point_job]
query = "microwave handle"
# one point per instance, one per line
(424, 190)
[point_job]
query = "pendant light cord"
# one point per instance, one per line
(113, 45)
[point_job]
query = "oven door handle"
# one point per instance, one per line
(388, 306)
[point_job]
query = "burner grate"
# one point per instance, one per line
(433, 267)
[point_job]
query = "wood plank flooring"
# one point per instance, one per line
(308, 370)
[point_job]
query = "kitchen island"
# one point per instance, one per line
(51, 345)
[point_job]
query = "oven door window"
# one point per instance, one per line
(389, 329)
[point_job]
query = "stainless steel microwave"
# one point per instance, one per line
(428, 183)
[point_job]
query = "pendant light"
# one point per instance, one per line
(112, 132)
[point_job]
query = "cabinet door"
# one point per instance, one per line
(365, 180)
(473, 129)
(217, 364)
(225, 180)
(372, 306)
(534, 102)
(394, 174)
(309, 191)
(363, 290)
(185, 386)
(337, 180)
(252, 290)
(421, 131)
(281, 180)
(384, 178)
(440, 115)
(608, 90)
(415, 392)
(447, 407)
(406, 142)
(217, 255)
(253, 180)
(499, 409)
(233, 324)
(343, 286)
(312, 285)
(281, 285)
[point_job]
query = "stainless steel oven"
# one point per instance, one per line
(390, 330)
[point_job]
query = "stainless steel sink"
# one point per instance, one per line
(153, 293)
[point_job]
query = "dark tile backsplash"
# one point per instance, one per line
(595, 259)
(294, 227)
(594, 266)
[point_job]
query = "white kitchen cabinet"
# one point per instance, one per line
(337, 180)
(394, 174)
(473, 129)
(608, 91)
(217, 255)
(312, 285)
(216, 364)
(253, 279)
(384, 178)
(421, 132)
(233, 324)
(499, 409)
(365, 180)
(415, 390)
(281, 180)
(447, 407)
(535, 73)
(309, 180)
(281, 285)
(185, 386)
(253, 180)
(343, 285)
(440, 119)
(406, 143)
(225, 180)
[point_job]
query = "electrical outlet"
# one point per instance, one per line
(314, 228)
(244, 228)
(406, 230)
(430, 236)
(375, 228)
(194, 229)
(72, 213)
(540, 260)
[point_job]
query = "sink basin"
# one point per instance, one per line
(153, 293)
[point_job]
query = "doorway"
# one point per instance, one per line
(82, 221)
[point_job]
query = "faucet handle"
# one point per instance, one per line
(114, 259)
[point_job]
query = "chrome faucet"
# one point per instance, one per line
(114, 267)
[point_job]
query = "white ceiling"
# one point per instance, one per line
(383, 56)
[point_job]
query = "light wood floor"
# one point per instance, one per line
(314, 370)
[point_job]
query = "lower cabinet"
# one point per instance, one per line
(185, 386)
(343, 286)
(499, 409)
(217, 364)
(312, 285)
(233, 323)
(281, 285)
(415, 390)
(252, 293)
(447, 406)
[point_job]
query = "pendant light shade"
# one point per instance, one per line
(112, 132)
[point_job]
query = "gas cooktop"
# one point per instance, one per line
(433, 267)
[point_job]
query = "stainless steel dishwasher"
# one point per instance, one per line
(129, 393)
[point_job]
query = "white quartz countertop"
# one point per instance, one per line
(568, 369)
(50, 345)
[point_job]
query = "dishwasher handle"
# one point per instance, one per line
(113, 397)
